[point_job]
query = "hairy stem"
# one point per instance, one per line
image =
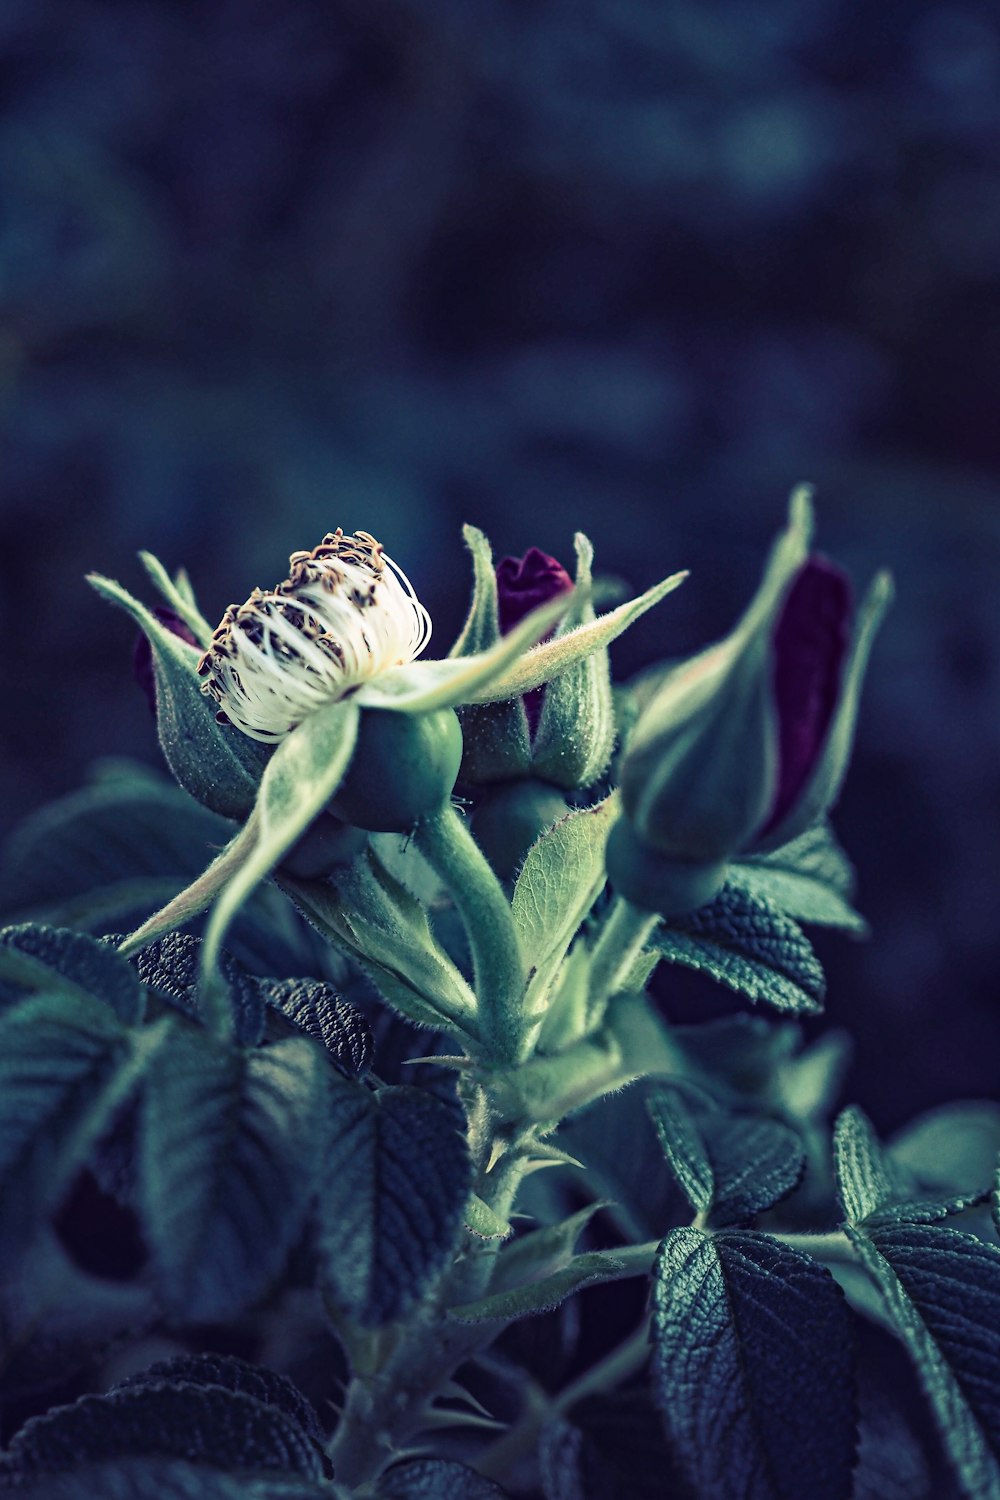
(456, 858)
(623, 936)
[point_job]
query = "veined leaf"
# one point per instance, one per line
(752, 1367)
(36, 957)
(218, 765)
(66, 1063)
(876, 1189)
(232, 1374)
(394, 1186)
(208, 1424)
(810, 878)
(166, 1479)
(562, 876)
(227, 1155)
(743, 941)
(942, 1291)
(730, 1167)
(320, 1012)
(436, 1479)
(170, 967)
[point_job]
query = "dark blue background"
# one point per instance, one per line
(634, 266)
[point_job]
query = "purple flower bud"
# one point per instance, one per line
(523, 584)
(810, 643)
(142, 656)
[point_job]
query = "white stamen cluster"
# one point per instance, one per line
(344, 613)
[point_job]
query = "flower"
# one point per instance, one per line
(522, 585)
(345, 613)
(745, 746)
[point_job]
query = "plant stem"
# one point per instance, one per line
(456, 858)
(835, 1246)
(618, 1365)
(622, 938)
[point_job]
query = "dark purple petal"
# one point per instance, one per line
(522, 585)
(810, 643)
(525, 583)
(142, 656)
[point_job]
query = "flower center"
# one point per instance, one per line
(345, 612)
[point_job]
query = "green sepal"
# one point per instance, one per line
(576, 732)
(542, 1296)
(482, 624)
(180, 596)
(219, 766)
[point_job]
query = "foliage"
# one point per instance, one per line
(353, 1136)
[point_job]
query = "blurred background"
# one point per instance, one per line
(628, 266)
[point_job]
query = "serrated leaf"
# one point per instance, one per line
(810, 878)
(216, 1427)
(321, 1013)
(752, 1367)
(436, 1479)
(165, 1479)
(562, 876)
(875, 1189)
(548, 1291)
(232, 1374)
(35, 957)
(227, 1157)
(218, 765)
(942, 1291)
(170, 966)
(745, 942)
(730, 1167)
(65, 1066)
(395, 1181)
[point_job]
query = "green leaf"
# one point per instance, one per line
(541, 1252)
(752, 1367)
(218, 765)
(482, 625)
(206, 1424)
(953, 1149)
(227, 1161)
(232, 1374)
(165, 1479)
(876, 1189)
(743, 941)
(942, 1291)
(481, 1221)
(561, 878)
(810, 878)
(65, 1066)
(300, 778)
(546, 1293)
(170, 967)
(395, 1183)
(730, 1166)
(373, 918)
(320, 1012)
(36, 957)
(436, 1479)
(615, 1140)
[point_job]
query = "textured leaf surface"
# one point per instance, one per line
(395, 1180)
(34, 957)
(745, 942)
(546, 1293)
(227, 1156)
(170, 966)
(165, 1479)
(436, 1479)
(684, 1147)
(942, 1289)
(617, 1144)
(562, 876)
(752, 1368)
(810, 878)
(222, 1428)
(65, 1065)
(232, 1374)
(320, 1012)
(876, 1188)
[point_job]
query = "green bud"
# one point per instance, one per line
(576, 730)
(509, 818)
(653, 881)
(404, 768)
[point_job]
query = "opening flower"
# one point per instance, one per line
(345, 613)
(524, 583)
